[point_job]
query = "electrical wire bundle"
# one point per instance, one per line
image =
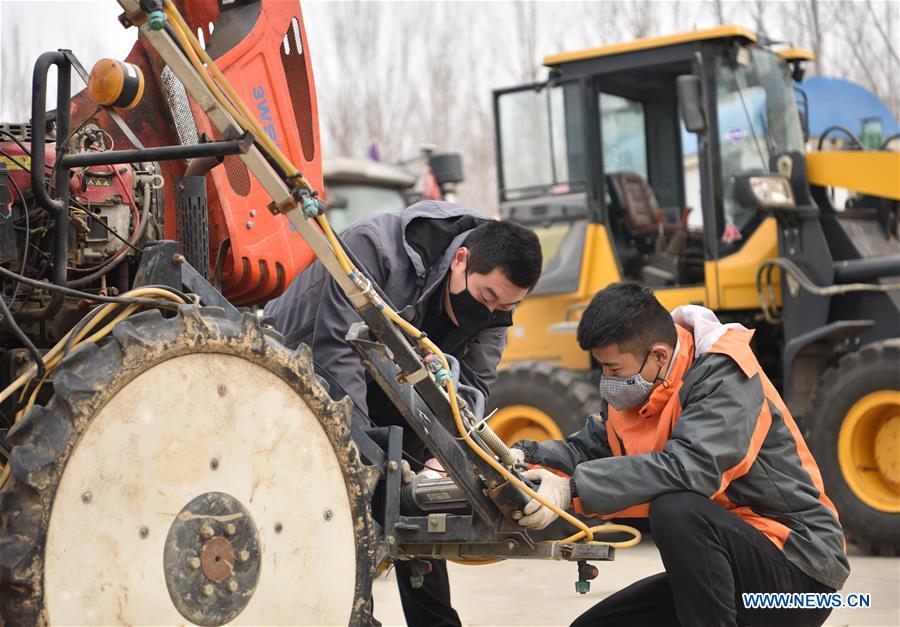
(95, 326)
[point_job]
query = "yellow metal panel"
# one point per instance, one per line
(530, 338)
(868, 172)
(648, 43)
(735, 285)
(796, 54)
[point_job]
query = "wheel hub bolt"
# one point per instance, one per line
(232, 586)
(206, 531)
(194, 563)
(207, 590)
(243, 556)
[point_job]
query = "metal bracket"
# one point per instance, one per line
(437, 523)
(163, 264)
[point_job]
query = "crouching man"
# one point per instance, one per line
(695, 436)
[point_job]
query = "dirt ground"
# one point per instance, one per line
(543, 593)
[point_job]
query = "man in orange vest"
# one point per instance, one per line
(695, 436)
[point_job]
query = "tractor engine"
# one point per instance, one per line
(113, 211)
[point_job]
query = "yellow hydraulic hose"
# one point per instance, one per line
(242, 116)
(52, 357)
(584, 530)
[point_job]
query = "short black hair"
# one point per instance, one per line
(514, 249)
(628, 315)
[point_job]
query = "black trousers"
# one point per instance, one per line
(711, 556)
(429, 605)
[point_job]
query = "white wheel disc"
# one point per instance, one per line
(195, 424)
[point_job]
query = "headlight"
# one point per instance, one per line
(764, 191)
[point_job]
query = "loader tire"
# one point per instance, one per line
(187, 469)
(854, 433)
(540, 401)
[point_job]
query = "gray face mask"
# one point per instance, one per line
(627, 392)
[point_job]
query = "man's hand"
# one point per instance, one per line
(554, 489)
(406, 473)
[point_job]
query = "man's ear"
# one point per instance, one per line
(661, 352)
(460, 256)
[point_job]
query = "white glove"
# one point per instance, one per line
(554, 489)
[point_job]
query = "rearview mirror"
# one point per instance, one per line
(690, 103)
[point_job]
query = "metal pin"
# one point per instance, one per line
(86, 497)
(328, 514)
(144, 532)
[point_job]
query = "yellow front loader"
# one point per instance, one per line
(680, 162)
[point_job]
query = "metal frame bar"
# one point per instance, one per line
(160, 153)
(391, 360)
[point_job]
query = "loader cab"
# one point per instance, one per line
(598, 161)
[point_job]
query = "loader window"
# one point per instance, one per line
(644, 166)
(350, 202)
(758, 118)
(541, 141)
(623, 130)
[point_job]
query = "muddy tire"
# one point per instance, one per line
(162, 483)
(539, 401)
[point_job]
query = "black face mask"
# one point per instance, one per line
(473, 316)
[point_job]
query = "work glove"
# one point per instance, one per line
(554, 489)
(406, 473)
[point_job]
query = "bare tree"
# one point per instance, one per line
(639, 17)
(758, 14)
(720, 10)
(526, 31)
(15, 95)
(814, 28)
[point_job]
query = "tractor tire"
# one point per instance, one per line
(540, 401)
(187, 469)
(854, 433)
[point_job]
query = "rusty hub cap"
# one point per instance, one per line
(212, 559)
(217, 559)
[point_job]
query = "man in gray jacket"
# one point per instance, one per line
(694, 436)
(453, 273)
